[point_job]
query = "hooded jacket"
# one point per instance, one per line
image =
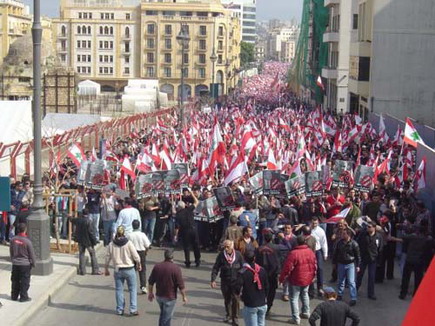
(123, 254)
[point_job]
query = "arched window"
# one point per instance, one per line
(79, 30)
(101, 29)
(127, 31)
(111, 30)
(106, 30)
(63, 30)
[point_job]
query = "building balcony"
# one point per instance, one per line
(63, 50)
(62, 36)
(331, 36)
(358, 87)
(126, 37)
(330, 3)
(329, 73)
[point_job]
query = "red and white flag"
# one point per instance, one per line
(340, 216)
(75, 152)
(319, 83)
(217, 149)
(337, 143)
(420, 176)
(237, 170)
(271, 161)
(411, 135)
(127, 168)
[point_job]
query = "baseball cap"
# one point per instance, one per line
(329, 290)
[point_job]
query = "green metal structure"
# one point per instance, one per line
(311, 53)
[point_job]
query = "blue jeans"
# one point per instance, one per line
(167, 308)
(295, 293)
(108, 231)
(2, 229)
(285, 288)
(95, 218)
(371, 281)
(12, 218)
(346, 272)
(120, 276)
(254, 316)
(319, 273)
(148, 227)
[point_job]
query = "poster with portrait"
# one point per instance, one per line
(84, 174)
(96, 174)
(158, 181)
(208, 210)
(144, 185)
(225, 198)
(295, 186)
(274, 183)
(183, 170)
(256, 183)
(364, 178)
(314, 183)
(172, 182)
(342, 174)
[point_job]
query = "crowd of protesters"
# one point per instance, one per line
(264, 241)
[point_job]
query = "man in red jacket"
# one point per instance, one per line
(299, 270)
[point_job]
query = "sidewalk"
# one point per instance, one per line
(41, 287)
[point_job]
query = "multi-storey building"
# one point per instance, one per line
(100, 39)
(341, 31)
(214, 33)
(111, 41)
(282, 43)
(246, 11)
(15, 21)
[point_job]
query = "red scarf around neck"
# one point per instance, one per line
(256, 272)
(230, 258)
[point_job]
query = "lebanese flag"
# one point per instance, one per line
(411, 136)
(217, 148)
(420, 175)
(165, 157)
(127, 168)
(319, 83)
(337, 142)
(283, 125)
(339, 216)
(382, 130)
(75, 152)
(271, 161)
(398, 137)
(237, 169)
(94, 155)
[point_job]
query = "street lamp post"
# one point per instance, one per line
(227, 76)
(213, 59)
(38, 221)
(183, 39)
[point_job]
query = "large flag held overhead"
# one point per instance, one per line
(217, 149)
(237, 169)
(411, 135)
(420, 176)
(339, 216)
(75, 152)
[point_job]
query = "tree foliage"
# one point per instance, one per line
(246, 53)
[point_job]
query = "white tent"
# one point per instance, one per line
(16, 121)
(88, 87)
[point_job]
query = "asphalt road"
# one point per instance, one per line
(90, 300)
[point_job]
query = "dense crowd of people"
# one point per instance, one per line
(262, 240)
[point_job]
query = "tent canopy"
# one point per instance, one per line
(88, 87)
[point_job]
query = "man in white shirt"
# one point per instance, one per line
(142, 244)
(126, 216)
(321, 251)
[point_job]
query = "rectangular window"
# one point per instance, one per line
(127, 47)
(167, 72)
(202, 30)
(201, 58)
(90, 17)
(127, 16)
(79, 44)
(168, 44)
(79, 57)
(150, 28)
(102, 15)
(111, 44)
(185, 72)
(220, 45)
(168, 58)
(127, 59)
(202, 44)
(150, 71)
(150, 43)
(150, 57)
(168, 29)
(84, 58)
(84, 44)
(63, 57)
(186, 58)
(127, 70)
(355, 21)
(221, 31)
(220, 59)
(89, 44)
(85, 15)
(112, 16)
(89, 58)
(201, 72)
(80, 15)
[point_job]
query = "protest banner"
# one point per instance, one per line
(274, 183)
(84, 173)
(256, 183)
(96, 174)
(172, 182)
(364, 178)
(158, 181)
(295, 186)
(314, 184)
(208, 210)
(225, 198)
(342, 174)
(144, 185)
(183, 169)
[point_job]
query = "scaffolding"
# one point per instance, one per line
(311, 53)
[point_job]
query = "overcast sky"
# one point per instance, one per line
(266, 9)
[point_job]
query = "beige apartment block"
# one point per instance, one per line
(214, 32)
(15, 22)
(100, 40)
(112, 41)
